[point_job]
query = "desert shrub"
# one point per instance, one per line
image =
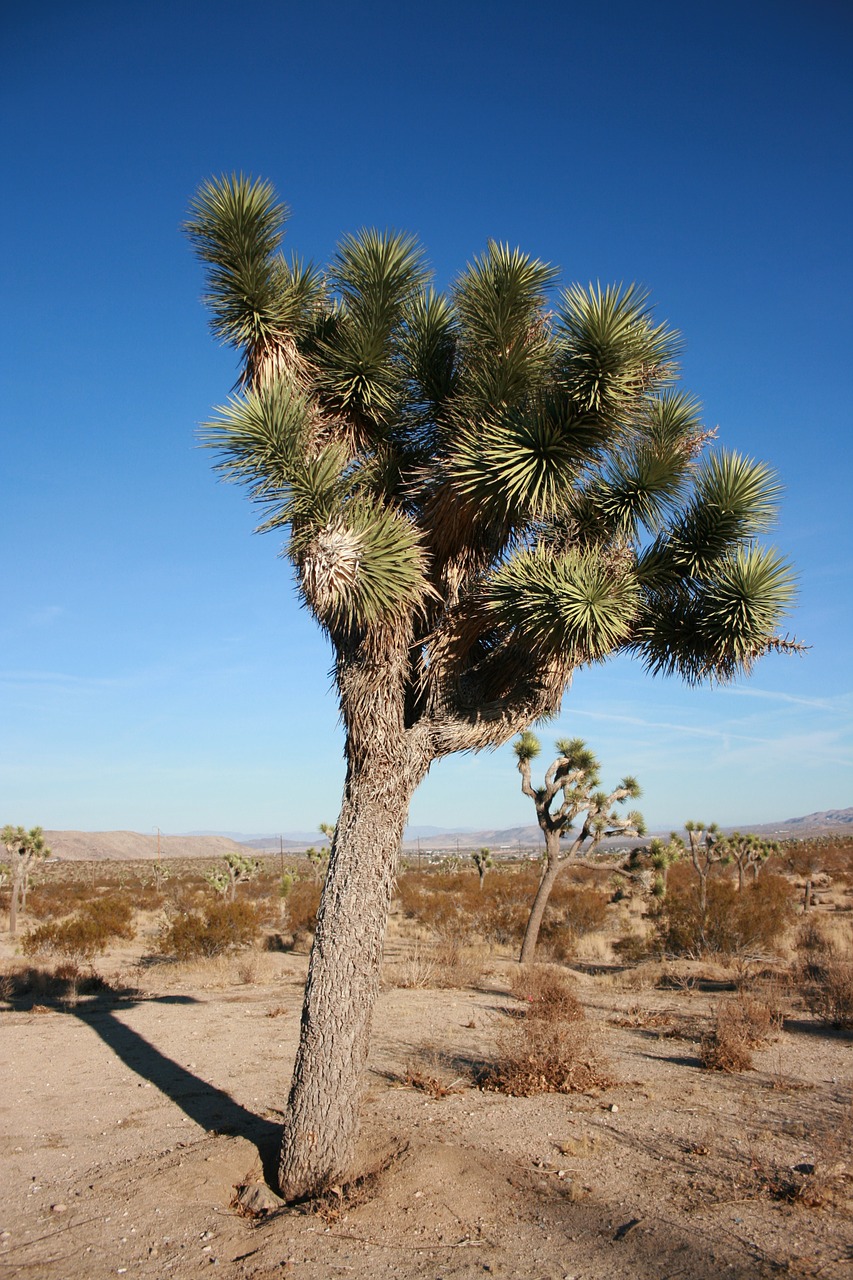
(457, 964)
(578, 911)
(75, 936)
(753, 919)
(303, 901)
(112, 913)
(53, 901)
(85, 934)
(826, 972)
(447, 902)
(548, 1047)
(741, 1025)
(417, 971)
(548, 991)
(634, 948)
(64, 981)
(452, 904)
(832, 998)
(442, 963)
(814, 950)
(220, 927)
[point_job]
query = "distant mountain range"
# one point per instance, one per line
(133, 845)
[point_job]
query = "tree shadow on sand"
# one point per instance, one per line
(209, 1107)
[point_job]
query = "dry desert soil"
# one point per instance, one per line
(130, 1116)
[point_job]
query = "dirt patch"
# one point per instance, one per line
(131, 1113)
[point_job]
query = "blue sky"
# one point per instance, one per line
(154, 666)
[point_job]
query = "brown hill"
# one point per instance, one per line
(123, 846)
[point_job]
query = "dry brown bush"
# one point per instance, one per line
(741, 1025)
(85, 934)
(52, 901)
(303, 901)
(220, 927)
(578, 912)
(754, 919)
(549, 1047)
(417, 971)
(444, 963)
(64, 982)
(547, 991)
(826, 973)
(831, 993)
(454, 903)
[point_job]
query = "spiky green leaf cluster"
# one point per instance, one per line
(577, 603)
(509, 480)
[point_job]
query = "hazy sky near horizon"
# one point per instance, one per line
(155, 669)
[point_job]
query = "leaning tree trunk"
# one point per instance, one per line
(13, 905)
(553, 862)
(321, 1123)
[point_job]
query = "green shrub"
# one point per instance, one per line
(220, 927)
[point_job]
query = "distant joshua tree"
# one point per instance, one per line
(24, 848)
(662, 857)
(238, 868)
(705, 849)
(747, 852)
(319, 858)
(571, 782)
(482, 860)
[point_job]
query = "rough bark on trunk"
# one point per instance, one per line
(13, 907)
(321, 1124)
(553, 862)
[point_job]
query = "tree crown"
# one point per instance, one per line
(501, 482)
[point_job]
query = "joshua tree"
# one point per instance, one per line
(572, 782)
(238, 868)
(705, 849)
(482, 860)
(662, 857)
(161, 874)
(483, 490)
(24, 848)
(746, 851)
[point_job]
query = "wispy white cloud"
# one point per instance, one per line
(61, 679)
(688, 730)
(824, 748)
(45, 616)
(839, 704)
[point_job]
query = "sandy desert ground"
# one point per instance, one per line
(129, 1117)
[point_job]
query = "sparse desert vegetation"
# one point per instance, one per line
(683, 1080)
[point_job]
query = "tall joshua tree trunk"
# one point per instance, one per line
(546, 883)
(386, 764)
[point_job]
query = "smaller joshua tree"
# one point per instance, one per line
(238, 868)
(705, 849)
(662, 857)
(746, 852)
(319, 858)
(482, 860)
(571, 782)
(23, 847)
